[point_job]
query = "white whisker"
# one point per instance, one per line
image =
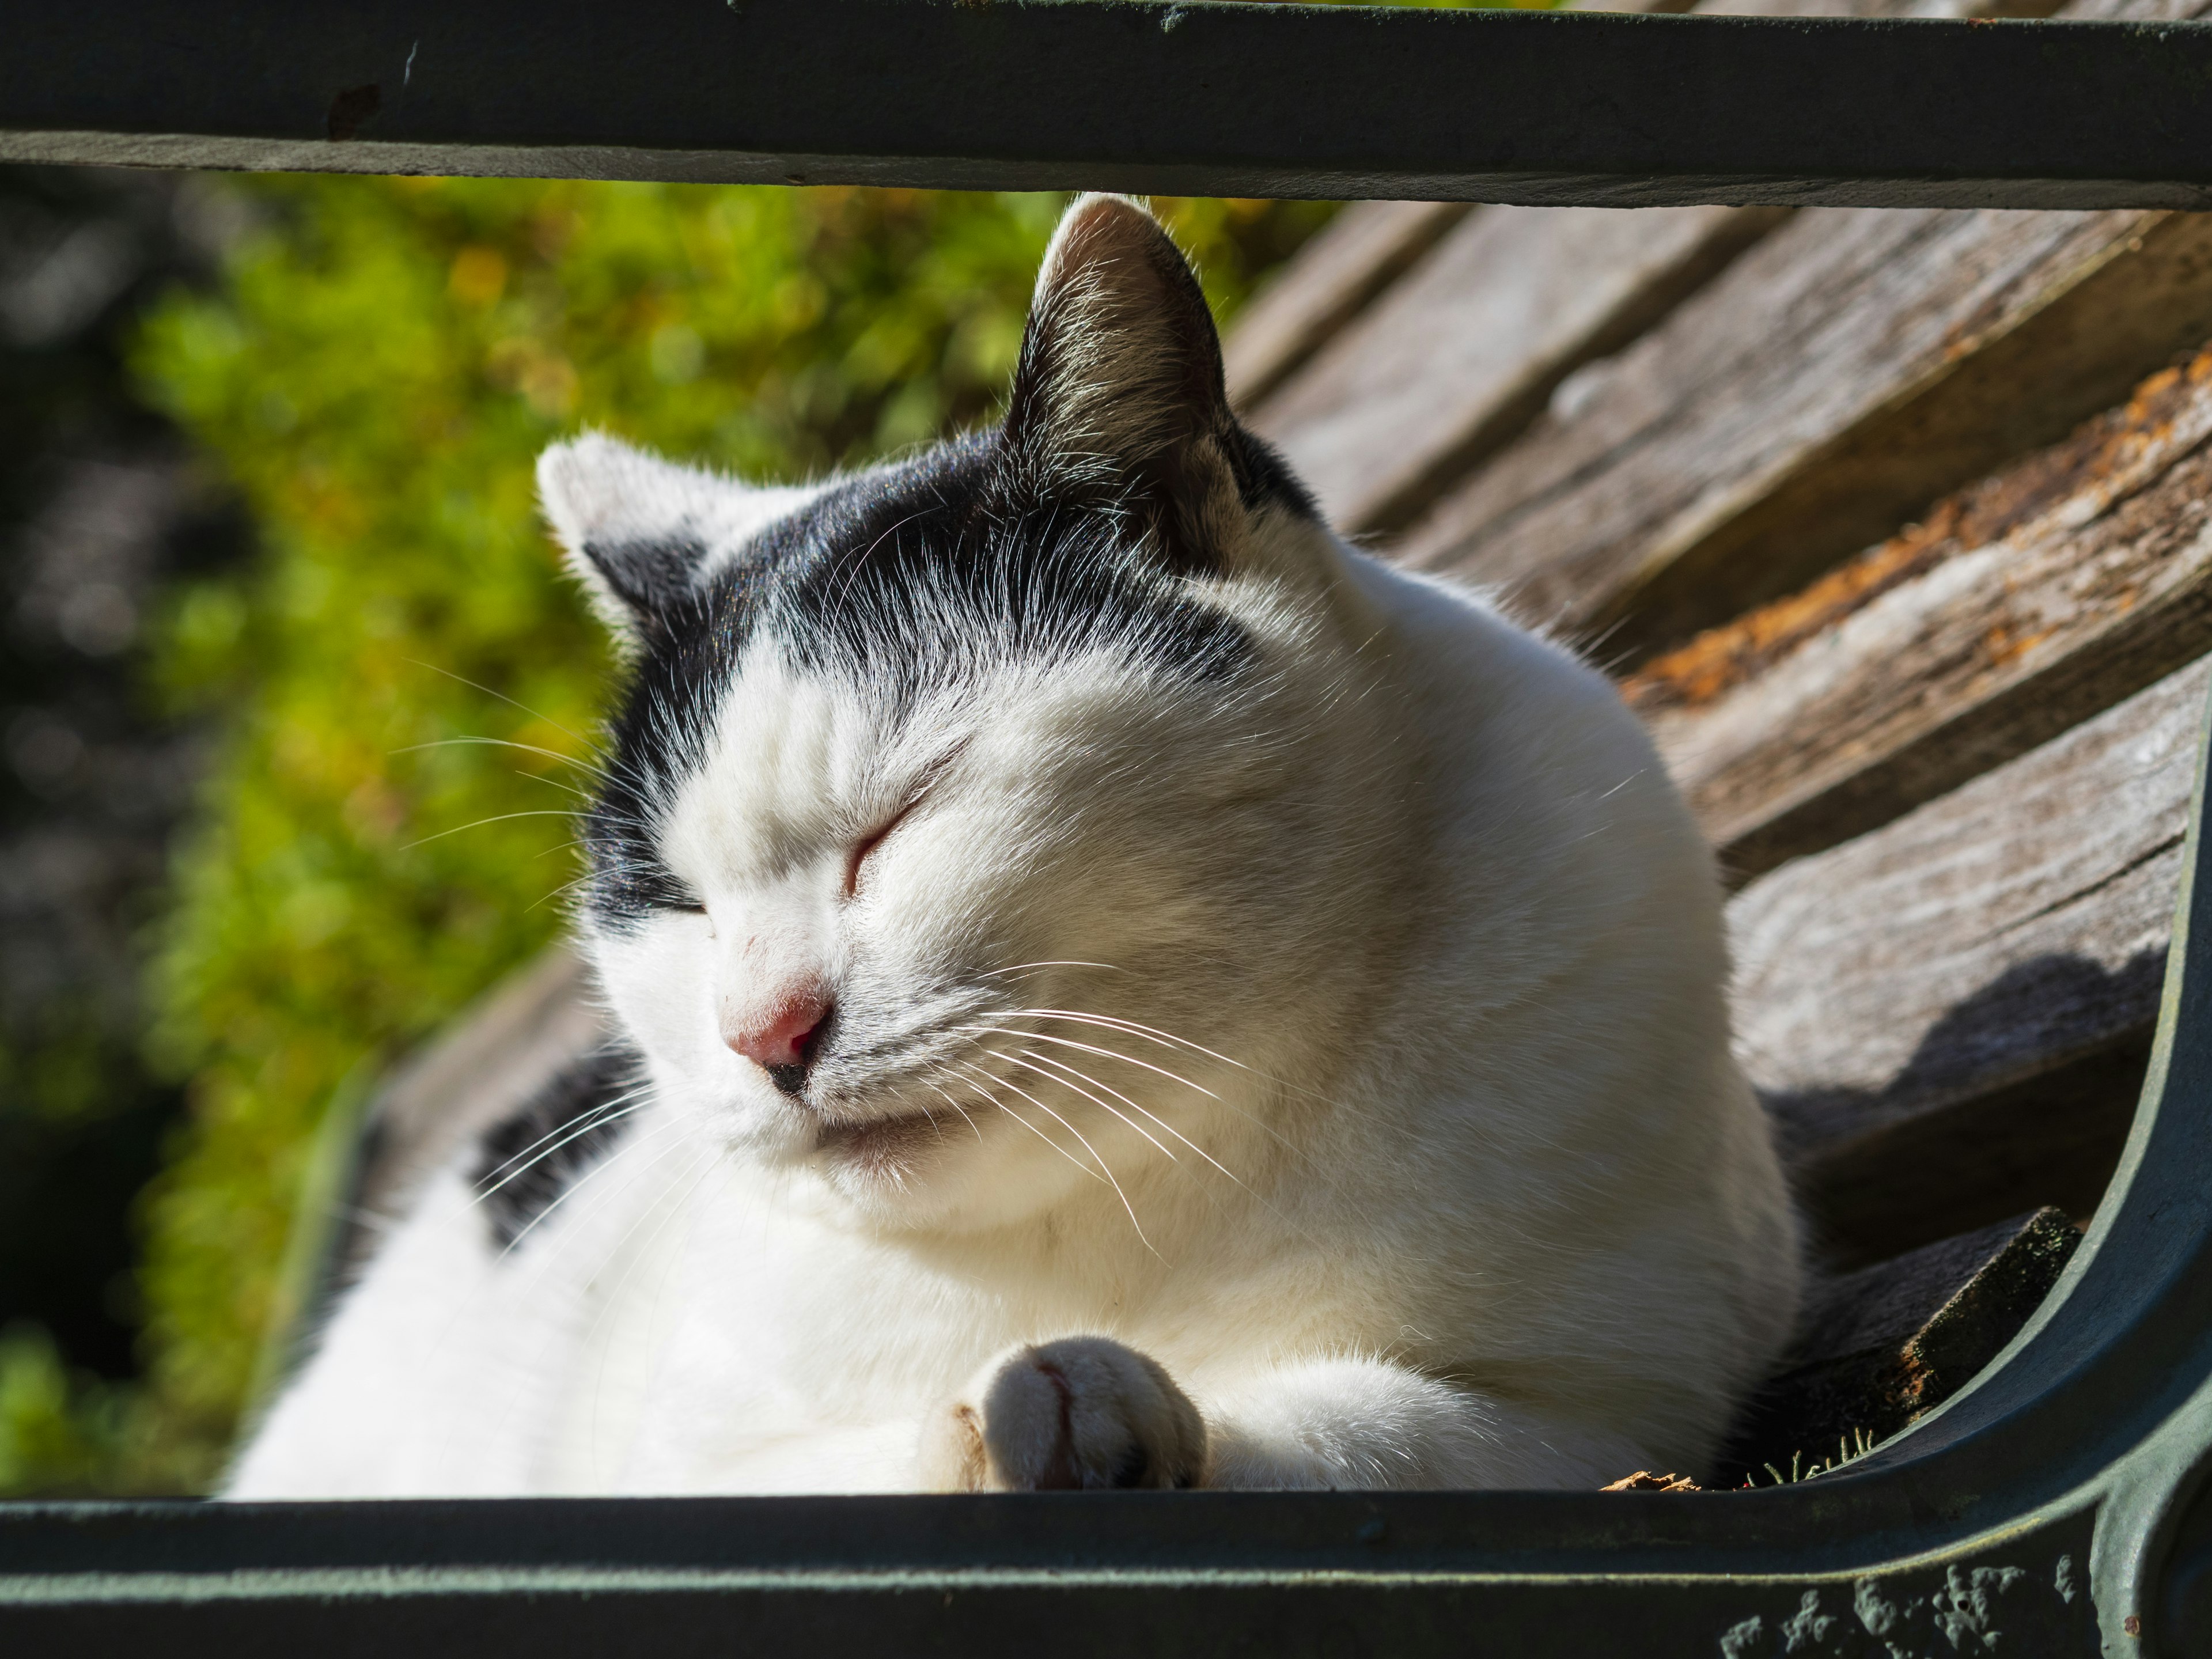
(1104, 1166)
(1036, 1062)
(627, 1095)
(1134, 1106)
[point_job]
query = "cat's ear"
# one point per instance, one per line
(1119, 392)
(643, 534)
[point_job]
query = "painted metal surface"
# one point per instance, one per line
(1189, 98)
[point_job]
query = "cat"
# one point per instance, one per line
(1116, 988)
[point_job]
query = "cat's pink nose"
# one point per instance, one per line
(782, 1034)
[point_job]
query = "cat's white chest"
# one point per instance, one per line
(788, 1354)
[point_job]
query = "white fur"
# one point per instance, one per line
(1456, 1183)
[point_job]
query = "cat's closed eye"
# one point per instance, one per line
(863, 848)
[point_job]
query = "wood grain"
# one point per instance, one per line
(1947, 1017)
(1360, 253)
(1843, 374)
(1884, 1346)
(1464, 351)
(2069, 582)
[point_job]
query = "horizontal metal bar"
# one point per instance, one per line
(1188, 98)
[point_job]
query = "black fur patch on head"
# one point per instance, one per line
(526, 1162)
(905, 580)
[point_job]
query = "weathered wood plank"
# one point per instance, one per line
(1359, 254)
(1844, 373)
(1947, 1017)
(1880, 1347)
(1461, 355)
(2070, 581)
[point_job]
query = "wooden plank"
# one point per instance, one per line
(1847, 371)
(1463, 353)
(2070, 581)
(1459, 356)
(1360, 253)
(1882, 1347)
(1948, 1018)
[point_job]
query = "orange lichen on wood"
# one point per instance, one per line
(2099, 450)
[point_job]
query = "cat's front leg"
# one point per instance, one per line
(1355, 1424)
(1081, 1413)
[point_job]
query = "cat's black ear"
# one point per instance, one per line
(1119, 393)
(643, 534)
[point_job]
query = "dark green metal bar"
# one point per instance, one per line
(1198, 98)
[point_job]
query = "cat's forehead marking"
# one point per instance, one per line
(924, 568)
(919, 581)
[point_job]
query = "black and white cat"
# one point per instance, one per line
(1118, 989)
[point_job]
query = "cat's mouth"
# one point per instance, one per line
(878, 1142)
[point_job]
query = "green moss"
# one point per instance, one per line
(404, 674)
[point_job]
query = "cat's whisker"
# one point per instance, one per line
(1032, 1061)
(586, 1179)
(605, 1113)
(593, 769)
(975, 1077)
(497, 818)
(1093, 1048)
(955, 1105)
(1167, 1039)
(604, 764)
(1105, 1166)
(597, 748)
(1106, 1169)
(1021, 967)
(596, 1112)
(1154, 1116)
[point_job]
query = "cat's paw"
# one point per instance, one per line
(1083, 1413)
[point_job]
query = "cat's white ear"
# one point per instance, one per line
(1121, 366)
(644, 535)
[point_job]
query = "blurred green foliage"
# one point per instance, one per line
(404, 674)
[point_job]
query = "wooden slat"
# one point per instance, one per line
(1360, 253)
(2069, 582)
(1948, 1018)
(1880, 1347)
(1458, 358)
(1840, 375)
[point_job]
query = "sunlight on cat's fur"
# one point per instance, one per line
(1117, 987)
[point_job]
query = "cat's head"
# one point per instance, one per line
(964, 813)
